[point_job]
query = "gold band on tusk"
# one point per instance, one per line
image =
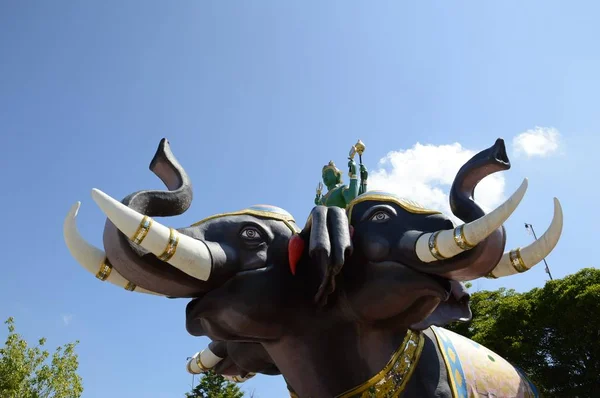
(130, 287)
(460, 239)
(105, 270)
(433, 249)
(171, 245)
(200, 364)
(491, 275)
(142, 230)
(517, 261)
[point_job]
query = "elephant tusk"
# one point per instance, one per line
(239, 379)
(202, 362)
(445, 244)
(91, 258)
(189, 255)
(522, 260)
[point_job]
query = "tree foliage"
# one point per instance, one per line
(552, 333)
(213, 385)
(25, 372)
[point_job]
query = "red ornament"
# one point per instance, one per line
(295, 250)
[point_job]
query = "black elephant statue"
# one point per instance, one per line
(352, 305)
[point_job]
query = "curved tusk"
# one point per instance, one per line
(189, 255)
(91, 258)
(202, 362)
(521, 260)
(441, 245)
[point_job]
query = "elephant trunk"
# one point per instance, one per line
(173, 202)
(135, 263)
(463, 205)
(483, 164)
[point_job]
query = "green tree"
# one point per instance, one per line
(552, 333)
(213, 385)
(26, 373)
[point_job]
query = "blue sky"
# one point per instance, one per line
(255, 98)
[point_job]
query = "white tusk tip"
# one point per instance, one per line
(96, 193)
(102, 199)
(558, 209)
(524, 185)
(74, 210)
(557, 203)
(520, 192)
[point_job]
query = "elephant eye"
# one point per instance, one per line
(251, 233)
(380, 216)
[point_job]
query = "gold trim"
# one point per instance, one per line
(293, 227)
(240, 379)
(396, 374)
(491, 275)
(441, 345)
(433, 247)
(200, 364)
(171, 248)
(406, 204)
(287, 220)
(142, 231)
(105, 270)
(517, 261)
(130, 287)
(460, 238)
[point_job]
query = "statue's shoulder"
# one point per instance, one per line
(471, 365)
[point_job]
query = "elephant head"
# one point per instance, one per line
(234, 265)
(408, 261)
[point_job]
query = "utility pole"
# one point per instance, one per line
(530, 229)
(193, 375)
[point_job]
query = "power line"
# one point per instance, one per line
(529, 228)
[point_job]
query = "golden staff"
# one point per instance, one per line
(359, 148)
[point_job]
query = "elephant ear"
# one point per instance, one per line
(456, 308)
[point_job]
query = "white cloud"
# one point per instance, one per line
(424, 173)
(67, 318)
(540, 141)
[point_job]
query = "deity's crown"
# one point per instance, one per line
(331, 166)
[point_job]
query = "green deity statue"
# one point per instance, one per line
(338, 194)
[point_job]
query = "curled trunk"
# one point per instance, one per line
(133, 262)
(467, 263)
(480, 260)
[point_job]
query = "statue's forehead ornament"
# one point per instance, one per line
(382, 196)
(265, 211)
